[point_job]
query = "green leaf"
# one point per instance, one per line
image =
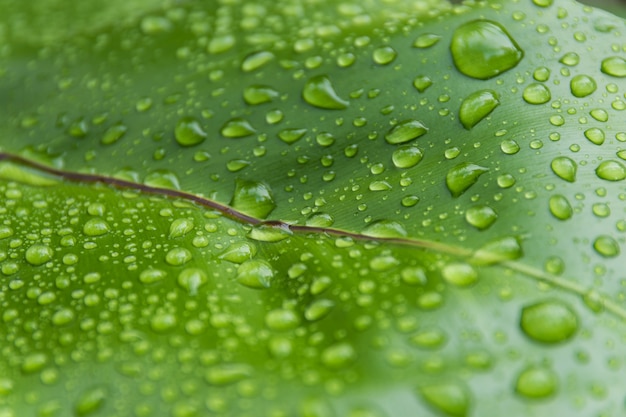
(311, 208)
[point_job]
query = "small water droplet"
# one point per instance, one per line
(237, 128)
(481, 217)
(460, 178)
(222, 43)
(319, 92)
(405, 131)
(509, 147)
(282, 319)
(259, 94)
(150, 276)
(611, 171)
(320, 220)
(536, 382)
(499, 250)
(178, 256)
(318, 309)
(256, 60)
(384, 55)
(477, 106)
(550, 321)
(570, 59)
(614, 66)
(422, 82)
(113, 134)
(459, 274)
(582, 85)
(153, 25)
(253, 198)
(536, 93)
(191, 279)
(188, 132)
(483, 49)
(255, 274)
(291, 135)
(560, 207)
(429, 338)
(426, 40)
(38, 254)
(91, 400)
(451, 399)
(564, 167)
(606, 246)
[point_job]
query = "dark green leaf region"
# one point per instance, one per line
(285, 208)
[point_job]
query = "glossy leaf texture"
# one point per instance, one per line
(312, 209)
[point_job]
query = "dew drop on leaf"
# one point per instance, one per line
(477, 106)
(38, 254)
(405, 131)
(153, 25)
(255, 274)
(429, 338)
(253, 198)
(191, 279)
(422, 82)
(614, 66)
(282, 319)
(595, 135)
(582, 85)
(96, 227)
(162, 178)
(269, 233)
(90, 401)
(481, 217)
(227, 374)
(319, 92)
(237, 128)
(450, 399)
(536, 382)
(320, 220)
(570, 59)
(256, 60)
(606, 246)
(180, 227)
(318, 309)
(406, 156)
(414, 275)
(385, 229)
(188, 132)
(113, 134)
(611, 171)
(550, 321)
(338, 356)
(483, 49)
(536, 93)
(259, 94)
(151, 275)
(178, 256)
(560, 207)
(564, 167)
(426, 40)
(459, 274)
(291, 135)
(460, 178)
(239, 252)
(502, 249)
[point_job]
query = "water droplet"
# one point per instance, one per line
(379, 186)
(406, 156)
(338, 356)
(560, 207)
(318, 309)
(541, 74)
(253, 198)
(178, 256)
(422, 82)
(191, 279)
(256, 60)
(259, 94)
(477, 106)
(113, 134)
(385, 229)
(543, 3)
(509, 147)
(426, 40)
(459, 274)
(611, 171)
(291, 135)
(606, 246)
(150, 276)
(180, 227)
(414, 276)
(405, 131)
(615, 66)
(91, 400)
(38, 254)
(460, 178)
(550, 321)
(582, 85)
(481, 217)
(595, 135)
(536, 382)
(536, 93)
(188, 132)
(570, 59)
(96, 227)
(221, 44)
(384, 55)
(239, 252)
(153, 25)
(564, 167)
(282, 319)
(255, 274)
(315, 407)
(600, 115)
(270, 233)
(227, 374)
(320, 220)
(502, 249)
(63, 317)
(237, 128)
(452, 399)
(325, 139)
(429, 338)
(162, 178)
(483, 49)
(236, 165)
(601, 210)
(319, 92)
(163, 322)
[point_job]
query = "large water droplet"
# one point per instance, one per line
(255, 274)
(38, 254)
(459, 274)
(483, 49)
(550, 321)
(96, 227)
(180, 227)
(192, 279)
(460, 178)
(406, 156)
(481, 217)
(477, 106)
(319, 92)
(582, 85)
(536, 382)
(499, 250)
(560, 207)
(606, 246)
(237, 128)
(162, 178)
(239, 252)
(270, 233)
(385, 229)
(150, 276)
(615, 66)
(595, 135)
(178, 256)
(564, 167)
(188, 132)
(405, 131)
(451, 399)
(259, 94)
(253, 198)
(291, 135)
(536, 93)
(611, 171)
